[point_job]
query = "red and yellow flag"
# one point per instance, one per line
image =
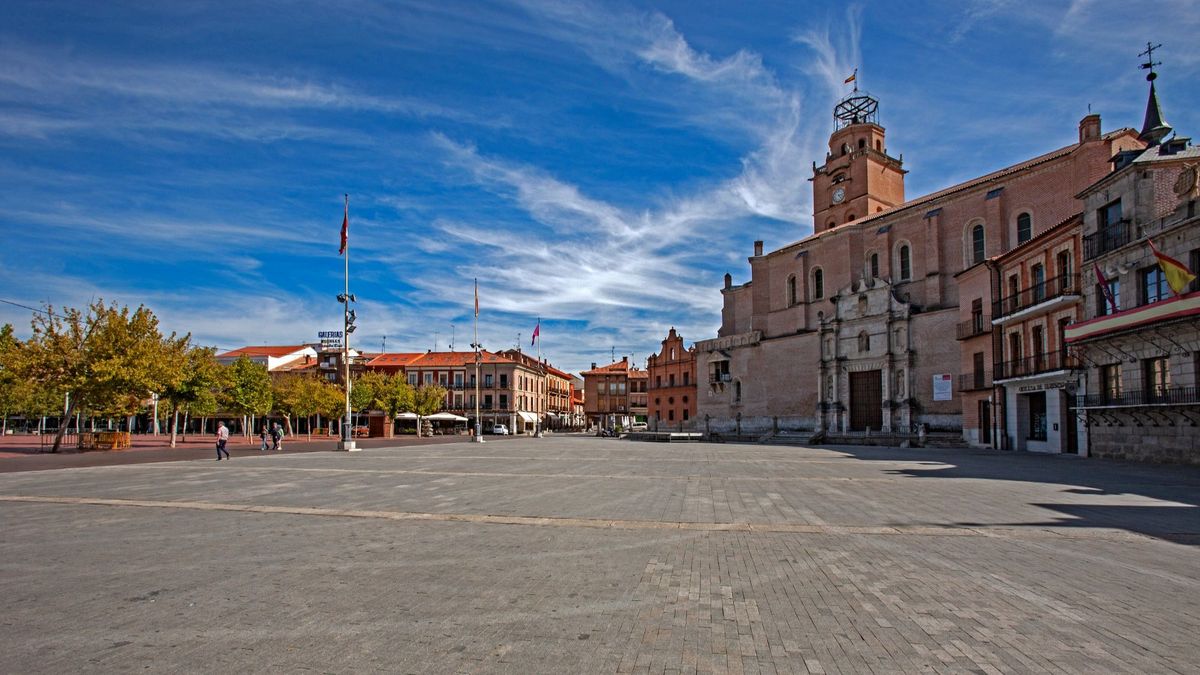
(1178, 275)
(853, 76)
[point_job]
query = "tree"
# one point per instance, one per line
(247, 389)
(392, 395)
(362, 394)
(427, 400)
(16, 392)
(105, 357)
(197, 376)
(331, 401)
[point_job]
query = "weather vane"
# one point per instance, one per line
(1150, 62)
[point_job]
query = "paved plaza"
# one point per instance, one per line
(582, 555)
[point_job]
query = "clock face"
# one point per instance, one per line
(838, 195)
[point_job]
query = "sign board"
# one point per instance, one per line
(942, 390)
(330, 339)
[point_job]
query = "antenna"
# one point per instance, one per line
(383, 345)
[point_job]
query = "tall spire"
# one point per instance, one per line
(1154, 128)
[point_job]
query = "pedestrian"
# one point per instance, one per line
(276, 436)
(262, 436)
(222, 439)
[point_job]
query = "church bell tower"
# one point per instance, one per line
(858, 178)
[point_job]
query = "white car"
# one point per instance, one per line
(500, 430)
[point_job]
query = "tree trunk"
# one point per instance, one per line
(174, 423)
(288, 423)
(62, 428)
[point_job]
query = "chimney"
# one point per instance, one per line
(728, 281)
(758, 247)
(1089, 128)
(593, 365)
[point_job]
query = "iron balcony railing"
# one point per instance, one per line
(1032, 365)
(974, 381)
(977, 325)
(1128, 399)
(1109, 238)
(1054, 287)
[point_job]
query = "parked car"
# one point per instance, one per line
(500, 430)
(638, 426)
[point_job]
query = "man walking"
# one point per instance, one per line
(276, 436)
(222, 439)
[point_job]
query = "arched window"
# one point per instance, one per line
(818, 284)
(864, 342)
(873, 263)
(977, 244)
(845, 149)
(791, 290)
(849, 217)
(879, 146)
(862, 142)
(830, 225)
(905, 262)
(1024, 228)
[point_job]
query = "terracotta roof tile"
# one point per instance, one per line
(273, 351)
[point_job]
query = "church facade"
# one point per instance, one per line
(853, 330)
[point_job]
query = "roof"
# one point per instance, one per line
(1040, 240)
(391, 359)
(555, 371)
(621, 366)
(297, 366)
(271, 351)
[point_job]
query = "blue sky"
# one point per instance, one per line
(598, 164)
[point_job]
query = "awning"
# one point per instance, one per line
(445, 417)
(527, 416)
(406, 416)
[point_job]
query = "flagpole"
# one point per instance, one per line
(475, 345)
(347, 442)
(537, 431)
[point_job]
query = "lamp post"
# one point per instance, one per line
(347, 441)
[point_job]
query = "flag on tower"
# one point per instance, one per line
(1105, 288)
(853, 76)
(345, 228)
(1178, 275)
(537, 330)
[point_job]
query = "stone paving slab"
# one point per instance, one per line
(595, 555)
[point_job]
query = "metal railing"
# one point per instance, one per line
(1054, 287)
(1110, 238)
(974, 381)
(977, 325)
(1127, 399)
(1033, 365)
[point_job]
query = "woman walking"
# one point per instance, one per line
(262, 436)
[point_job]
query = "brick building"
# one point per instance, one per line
(671, 377)
(614, 394)
(1141, 348)
(849, 331)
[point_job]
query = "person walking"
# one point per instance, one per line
(262, 436)
(222, 439)
(276, 436)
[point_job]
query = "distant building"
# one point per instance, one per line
(609, 396)
(671, 375)
(273, 357)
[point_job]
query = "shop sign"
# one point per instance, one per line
(942, 390)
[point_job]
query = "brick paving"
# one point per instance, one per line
(573, 554)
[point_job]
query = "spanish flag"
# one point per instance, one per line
(853, 76)
(1178, 275)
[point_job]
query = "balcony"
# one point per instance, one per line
(1132, 399)
(977, 325)
(975, 381)
(1066, 285)
(1034, 365)
(1107, 239)
(718, 378)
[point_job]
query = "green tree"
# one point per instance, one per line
(107, 358)
(247, 389)
(16, 391)
(331, 400)
(392, 395)
(427, 400)
(196, 377)
(362, 394)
